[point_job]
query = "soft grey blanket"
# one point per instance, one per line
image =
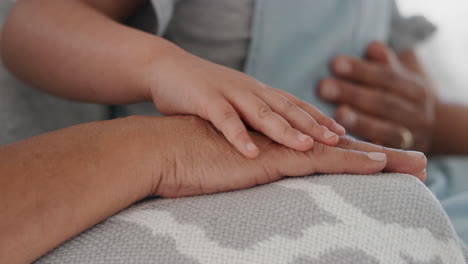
(386, 218)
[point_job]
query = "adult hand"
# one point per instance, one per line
(199, 160)
(380, 100)
(56, 185)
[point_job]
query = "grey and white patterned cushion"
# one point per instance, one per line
(386, 218)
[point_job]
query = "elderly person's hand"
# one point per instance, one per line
(58, 184)
(199, 160)
(380, 100)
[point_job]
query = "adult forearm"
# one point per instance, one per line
(78, 50)
(56, 185)
(451, 130)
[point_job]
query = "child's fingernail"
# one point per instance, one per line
(343, 66)
(377, 156)
(251, 147)
(303, 138)
(340, 128)
(328, 135)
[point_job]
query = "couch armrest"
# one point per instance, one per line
(386, 218)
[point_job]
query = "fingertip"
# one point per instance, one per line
(420, 160)
(251, 150)
(346, 116)
(372, 47)
(251, 147)
(378, 51)
(422, 176)
(328, 90)
(330, 138)
(339, 129)
(341, 65)
(417, 155)
(320, 85)
(305, 142)
(379, 161)
(298, 141)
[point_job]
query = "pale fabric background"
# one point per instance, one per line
(445, 56)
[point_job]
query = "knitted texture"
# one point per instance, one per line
(385, 218)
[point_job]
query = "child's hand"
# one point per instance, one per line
(186, 84)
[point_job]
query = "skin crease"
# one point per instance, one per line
(384, 81)
(66, 181)
(82, 46)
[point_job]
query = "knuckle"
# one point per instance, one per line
(321, 129)
(347, 142)
(311, 126)
(263, 111)
(228, 115)
(301, 104)
(286, 130)
(318, 149)
(288, 106)
(379, 148)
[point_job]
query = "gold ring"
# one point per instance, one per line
(407, 139)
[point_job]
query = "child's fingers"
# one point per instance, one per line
(225, 118)
(296, 116)
(262, 118)
(314, 112)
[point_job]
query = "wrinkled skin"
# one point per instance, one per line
(200, 160)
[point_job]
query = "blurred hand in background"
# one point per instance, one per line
(381, 100)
